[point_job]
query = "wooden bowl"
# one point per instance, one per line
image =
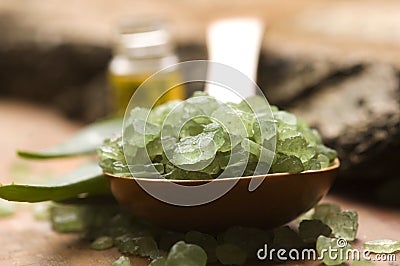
(279, 199)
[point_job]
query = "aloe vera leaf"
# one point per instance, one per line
(85, 141)
(87, 179)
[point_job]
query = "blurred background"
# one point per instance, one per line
(334, 63)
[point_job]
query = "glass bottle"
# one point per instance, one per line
(142, 48)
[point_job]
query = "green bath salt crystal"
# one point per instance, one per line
(293, 146)
(328, 152)
(122, 261)
(287, 164)
(286, 238)
(157, 253)
(158, 262)
(229, 254)
(206, 241)
(247, 238)
(169, 238)
(382, 246)
(186, 254)
(101, 243)
(333, 251)
(68, 218)
(309, 230)
(323, 160)
(41, 211)
(138, 246)
(312, 164)
(343, 224)
(321, 211)
(306, 216)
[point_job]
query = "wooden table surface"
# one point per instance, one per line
(27, 241)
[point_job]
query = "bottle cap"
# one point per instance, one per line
(144, 38)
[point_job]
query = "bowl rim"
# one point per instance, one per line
(335, 165)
